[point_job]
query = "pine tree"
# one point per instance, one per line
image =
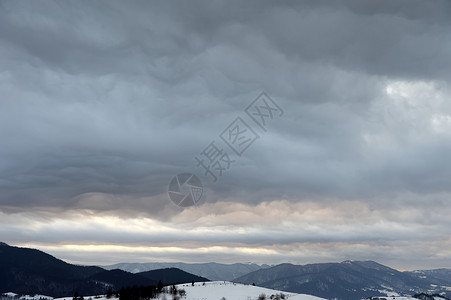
(159, 286)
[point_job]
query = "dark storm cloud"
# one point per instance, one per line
(102, 94)
(102, 103)
(117, 98)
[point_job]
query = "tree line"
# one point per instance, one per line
(141, 292)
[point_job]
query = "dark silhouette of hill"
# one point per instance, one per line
(31, 271)
(213, 271)
(119, 278)
(172, 276)
(25, 270)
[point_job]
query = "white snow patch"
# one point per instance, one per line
(10, 295)
(395, 298)
(36, 297)
(89, 298)
(215, 290)
(390, 293)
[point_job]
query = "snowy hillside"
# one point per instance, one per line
(215, 290)
(400, 298)
(14, 296)
(220, 290)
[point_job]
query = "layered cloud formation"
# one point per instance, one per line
(103, 103)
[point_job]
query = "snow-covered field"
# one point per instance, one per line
(216, 290)
(90, 297)
(400, 298)
(11, 295)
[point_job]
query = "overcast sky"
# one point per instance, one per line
(102, 103)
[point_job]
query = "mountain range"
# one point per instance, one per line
(31, 271)
(349, 280)
(212, 271)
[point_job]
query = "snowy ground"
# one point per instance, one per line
(401, 298)
(215, 290)
(90, 298)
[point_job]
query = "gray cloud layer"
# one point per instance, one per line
(102, 103)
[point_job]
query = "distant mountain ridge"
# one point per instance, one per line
(345, 280)
(437, 276)
(212, 271)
